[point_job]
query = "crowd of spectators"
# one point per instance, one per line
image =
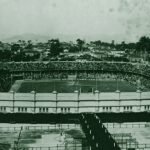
(77, 66)
(45, 75)
(141, 82)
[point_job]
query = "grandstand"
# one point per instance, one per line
(61, 70)
(92, 78)
(49, 92)
(77, 66)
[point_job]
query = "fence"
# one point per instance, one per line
(74, 102)
(41, 127)
(58, 147)
(127, 125)
(136, 146)
(126, 141)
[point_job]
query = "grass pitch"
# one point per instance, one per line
(65, 86)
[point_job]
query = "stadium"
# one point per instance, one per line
(68, 86)
(74, 75)
(73, 93)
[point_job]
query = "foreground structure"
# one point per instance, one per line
(75, 102)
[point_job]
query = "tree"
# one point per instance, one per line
(73, 49)
(55, 47)
(29, 45)
(80, 44)
(144, 44)
(97, 43)
(5, 55)
(15, 47)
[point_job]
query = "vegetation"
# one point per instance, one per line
(54, 49)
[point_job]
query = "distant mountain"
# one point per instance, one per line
(65, 37)
(26, 37)
(40, 38)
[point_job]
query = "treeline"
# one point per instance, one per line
(142, 45)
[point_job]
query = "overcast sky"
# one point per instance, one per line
(98, 19)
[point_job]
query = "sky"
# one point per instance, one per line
(106, 20)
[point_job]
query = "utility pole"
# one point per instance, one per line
(16, 143)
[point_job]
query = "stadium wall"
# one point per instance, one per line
(75, 102)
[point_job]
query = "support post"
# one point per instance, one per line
(13, 100)
(34, 100)
(77, 98)
(140, 97)
(97, 98)
(119, 100)
(55, 92)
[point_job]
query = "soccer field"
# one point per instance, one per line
(65, 86)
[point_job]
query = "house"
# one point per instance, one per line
(30, 53)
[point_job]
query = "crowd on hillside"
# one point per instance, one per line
(77, 66)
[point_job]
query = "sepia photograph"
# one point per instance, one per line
(74, 75)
